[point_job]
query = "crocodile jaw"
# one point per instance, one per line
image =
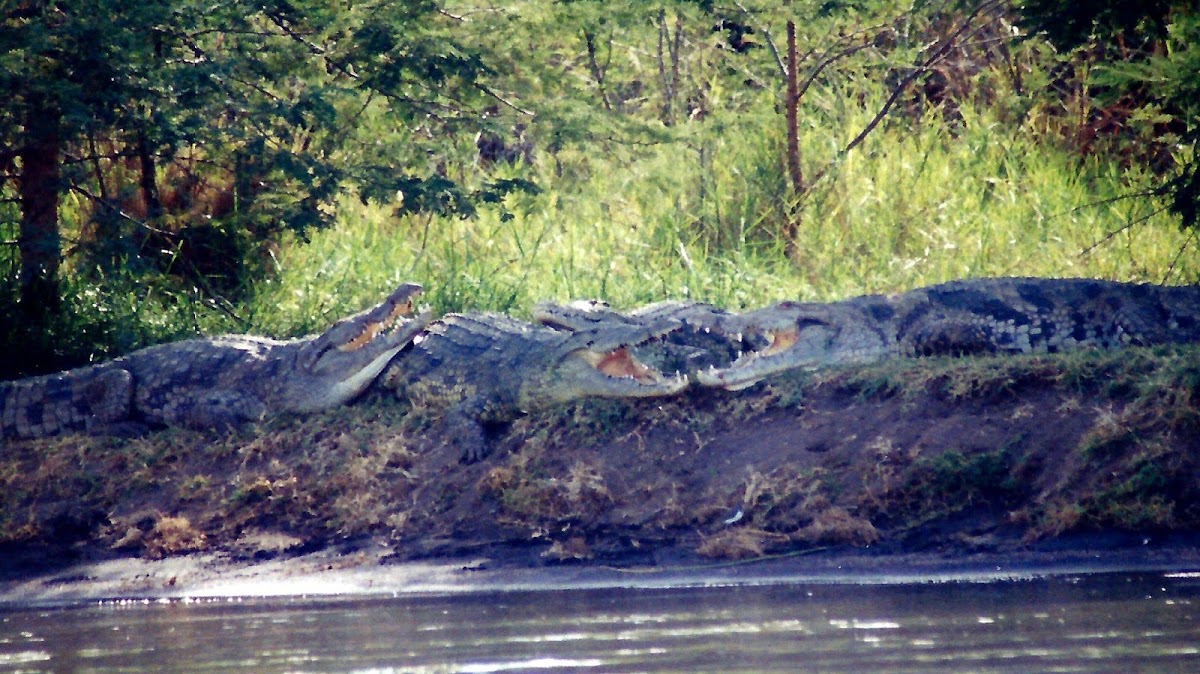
(339, 364)
(608, 374)
(620, 364)
(576, 315)
(753, 366)
(358, 381)
(388, 321)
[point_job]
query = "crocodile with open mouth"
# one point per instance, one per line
(220, 381)
(960, 318)
(699, 344)
(483, 368)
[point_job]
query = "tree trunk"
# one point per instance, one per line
(147, 181)
(39, 241)
(795, 172)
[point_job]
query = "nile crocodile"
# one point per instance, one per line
(482, 369)
(698, 345)
(218, 381)
(979, 316)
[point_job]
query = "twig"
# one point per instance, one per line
(1178, 254)
(589, 41)
(825, 63)
(279, 21)
(1156, 192)
(108, 204)
(504, 101)
(922, 68)
(1123, 228)
(951, 41)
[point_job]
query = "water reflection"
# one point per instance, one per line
(1102, 622)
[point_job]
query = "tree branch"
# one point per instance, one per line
(949, 43)
(503, 101)
(589, 41)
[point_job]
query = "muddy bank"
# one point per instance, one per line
(369, 572)
(945, 459)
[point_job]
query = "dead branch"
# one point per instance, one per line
(948, 44)
(589, 41)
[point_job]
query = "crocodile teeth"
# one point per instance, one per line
(368, 333)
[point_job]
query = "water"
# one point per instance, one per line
(1100, 622)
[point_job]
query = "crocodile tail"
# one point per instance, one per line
(77, 400)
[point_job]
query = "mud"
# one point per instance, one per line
(367, 573)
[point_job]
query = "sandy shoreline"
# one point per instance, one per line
(369, 573)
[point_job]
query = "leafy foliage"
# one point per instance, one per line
(185, 137)
(1150, 55)
(1075, 24)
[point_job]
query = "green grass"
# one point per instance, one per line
(917, 204)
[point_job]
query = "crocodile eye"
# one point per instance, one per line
(802, 323)
(310, 363)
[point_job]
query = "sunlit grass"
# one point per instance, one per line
(918, 203)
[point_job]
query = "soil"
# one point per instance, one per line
(1047, 458)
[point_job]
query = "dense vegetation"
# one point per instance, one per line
(172, 168)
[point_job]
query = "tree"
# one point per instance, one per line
(108, 97)
(1150, 54)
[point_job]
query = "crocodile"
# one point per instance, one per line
(485, 369)
(215, 382)
(960, 318)
(698, 345)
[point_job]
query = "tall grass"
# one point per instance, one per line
(920, 202)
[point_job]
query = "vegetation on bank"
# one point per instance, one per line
(529, 150)
(985, 454)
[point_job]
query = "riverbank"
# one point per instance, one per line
(369, 573)
(1073, 457)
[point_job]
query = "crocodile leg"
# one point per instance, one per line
(463, 425)
(955, 337)
(202, 409)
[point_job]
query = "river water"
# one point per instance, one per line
(1110, 622)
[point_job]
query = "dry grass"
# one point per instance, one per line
(588, 482)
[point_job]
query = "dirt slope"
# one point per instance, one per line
(966, 456)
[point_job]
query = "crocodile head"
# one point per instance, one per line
(599, 361)
(797, 335)
(577, 315)
(339, 364)
(584, 314)
(700, 341)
